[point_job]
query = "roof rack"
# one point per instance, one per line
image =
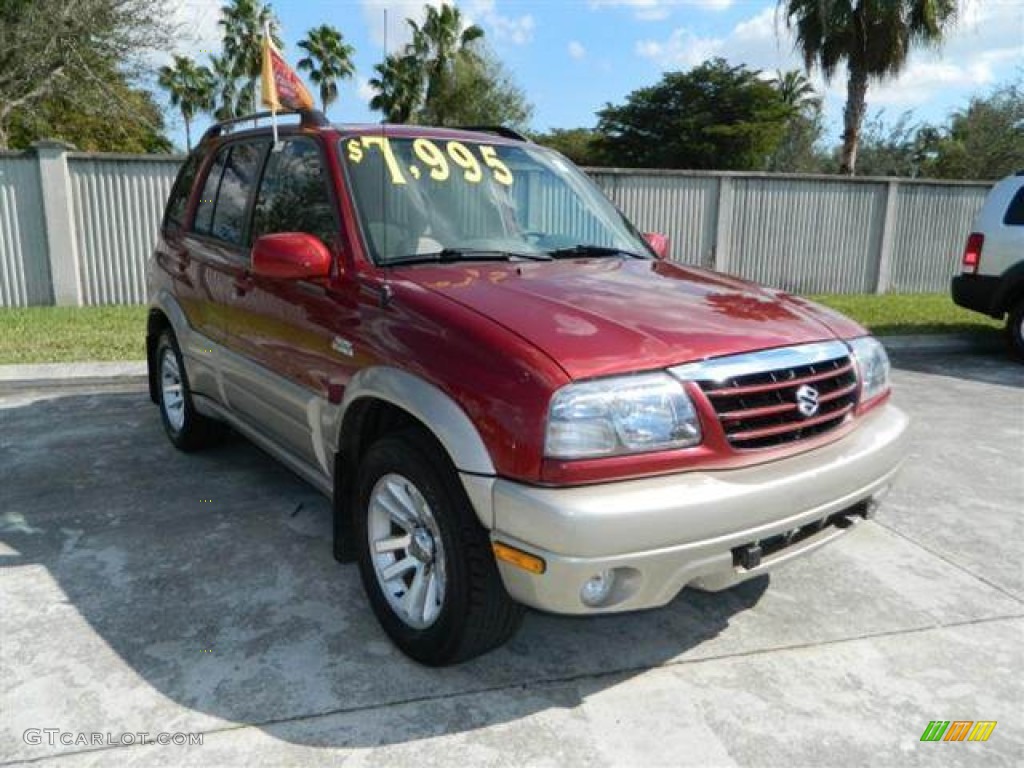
(311, 118)
(497, 130)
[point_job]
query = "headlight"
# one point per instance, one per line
(873, 365)
(625, 414)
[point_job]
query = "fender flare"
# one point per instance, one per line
(436, 410)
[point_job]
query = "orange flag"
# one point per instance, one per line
(281, 87)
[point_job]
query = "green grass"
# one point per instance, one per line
(72, 334)
(69, 334)
(911, 313)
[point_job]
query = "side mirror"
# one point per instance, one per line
(291, 256)
(659, 243)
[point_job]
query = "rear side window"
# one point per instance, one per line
(177, 203)
(294, 195)
(1015, 213)
(224, 204)
(208, 197)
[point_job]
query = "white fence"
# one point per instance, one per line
(77, 228)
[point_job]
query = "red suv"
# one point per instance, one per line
(510, 395)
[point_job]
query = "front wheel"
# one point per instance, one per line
(1015, 329)
(424, 558)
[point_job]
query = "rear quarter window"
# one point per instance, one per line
(1015, 212)
(177, 203)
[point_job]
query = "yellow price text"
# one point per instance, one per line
(432, 160)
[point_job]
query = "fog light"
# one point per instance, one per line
(598, 588)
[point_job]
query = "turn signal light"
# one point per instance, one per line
(972, 253)
(517, 557)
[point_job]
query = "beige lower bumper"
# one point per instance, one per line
(661, 534)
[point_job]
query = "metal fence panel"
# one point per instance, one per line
(24, 259)
(118, 204)
(682, 206)
(931, 226)
(807, 236)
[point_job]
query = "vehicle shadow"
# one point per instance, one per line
(210, 577)
(986, 362)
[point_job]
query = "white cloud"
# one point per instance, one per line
(981, 50)
(682, 50)
(387, 20)
(388, 27)
(657, 10)
(517, 30)
(197, 33)
(576, 49)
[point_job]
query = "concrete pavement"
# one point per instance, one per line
(146, 590)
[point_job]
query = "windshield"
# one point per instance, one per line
(421, 199)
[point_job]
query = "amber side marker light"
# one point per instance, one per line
(518, 558)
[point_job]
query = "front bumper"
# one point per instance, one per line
(661, 534)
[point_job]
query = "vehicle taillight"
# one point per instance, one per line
(972, 253)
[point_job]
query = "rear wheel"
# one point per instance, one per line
(424, 558)
(1015, 329)
(185, 427)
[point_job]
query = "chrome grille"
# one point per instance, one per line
(755, 395)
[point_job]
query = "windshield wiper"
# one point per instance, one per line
(591, 250)
(448, 255)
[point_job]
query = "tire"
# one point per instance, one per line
(408, 494)
(1015, 329)
(186, 428)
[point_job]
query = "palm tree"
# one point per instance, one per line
(225, 88)
(796, 91)
(871, 37)
(191, 89)
(399, 87)
(328, 60)
(438, 42)
(243, 22)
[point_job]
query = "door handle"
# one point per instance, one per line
(243, 284)
(183, 259)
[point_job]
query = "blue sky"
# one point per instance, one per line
(573, 57)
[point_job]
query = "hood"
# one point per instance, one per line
(596, 317)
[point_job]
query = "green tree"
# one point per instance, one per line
(985, 140)
(78, 54)
(243, 22)
(398, 87)
(83, 119)
(225, 88)
(902, 147)
(581, 145)
(796, 91)
(447, 76)
(871, 37)
(714, 116)
(328, 59)
(799, 151)
(440, 42)
(191, 89)
(482, 92)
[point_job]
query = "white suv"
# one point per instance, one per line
(992, 280)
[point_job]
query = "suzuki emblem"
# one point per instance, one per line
(807, 401)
